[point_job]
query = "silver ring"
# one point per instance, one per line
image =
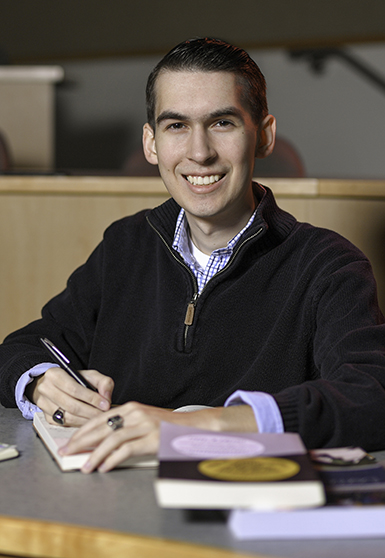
(58, 416)
(115, 422)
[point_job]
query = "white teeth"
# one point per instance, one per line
(197, 180)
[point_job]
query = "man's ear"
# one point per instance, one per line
(149, 148)
(266, 137)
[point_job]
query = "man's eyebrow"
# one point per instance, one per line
(226, 111)
(170, 115)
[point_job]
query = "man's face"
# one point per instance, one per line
(205, 143)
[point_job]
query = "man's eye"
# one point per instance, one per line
(175, 126)
(223, 123)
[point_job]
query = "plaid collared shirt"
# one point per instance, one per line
(218, 259)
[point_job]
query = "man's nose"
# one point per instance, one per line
(200, 148)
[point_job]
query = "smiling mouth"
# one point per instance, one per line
(200, 180)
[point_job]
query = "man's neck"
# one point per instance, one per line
(210, 234)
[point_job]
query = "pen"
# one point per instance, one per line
(65, 363)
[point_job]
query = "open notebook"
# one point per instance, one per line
(54, 437)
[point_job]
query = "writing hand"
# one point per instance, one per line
(140, 433)
(56, 389)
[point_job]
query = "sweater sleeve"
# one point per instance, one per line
(69, 320)
(346, 403)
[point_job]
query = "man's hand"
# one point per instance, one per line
(140, 433)
(56, 389)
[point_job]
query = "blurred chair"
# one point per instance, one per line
(284, 162)
(5, 159)
(137, 165)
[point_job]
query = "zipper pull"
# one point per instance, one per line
(189, 318)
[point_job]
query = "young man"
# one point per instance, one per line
(217, 297)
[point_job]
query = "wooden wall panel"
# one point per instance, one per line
(49, 226)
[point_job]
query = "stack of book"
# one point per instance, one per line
(224, 470)
(273, 487)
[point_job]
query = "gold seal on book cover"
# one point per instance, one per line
(252, 469)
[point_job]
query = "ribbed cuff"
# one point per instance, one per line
(288, 405)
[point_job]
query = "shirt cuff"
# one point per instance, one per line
(266, 411)
(27, 408)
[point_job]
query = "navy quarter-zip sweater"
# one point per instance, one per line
(294, 314)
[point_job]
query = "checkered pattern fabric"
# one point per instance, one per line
(218, 259)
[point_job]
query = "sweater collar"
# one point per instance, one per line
(275, 222)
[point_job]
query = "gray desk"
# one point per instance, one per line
(115, 514)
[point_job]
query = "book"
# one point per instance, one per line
(201, 469)
(8, 452)
(331, 522)
(355, 482)
(355, 507)
(54, 437)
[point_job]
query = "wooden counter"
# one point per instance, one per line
(50, 224)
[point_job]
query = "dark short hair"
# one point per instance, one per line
(212, 55)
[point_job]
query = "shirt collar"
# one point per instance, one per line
(181, 236)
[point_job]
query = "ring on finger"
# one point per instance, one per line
(58, 416)
(115, 422)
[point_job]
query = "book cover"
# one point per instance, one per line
(54, 437)
(223, 470)
(349, 473)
